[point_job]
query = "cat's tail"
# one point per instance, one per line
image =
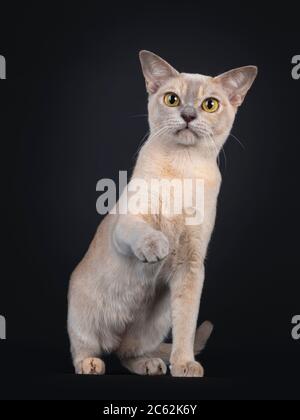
(202, 335)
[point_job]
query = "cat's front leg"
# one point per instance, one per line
(186, 289)
(134, 237)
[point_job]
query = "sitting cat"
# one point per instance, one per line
(143, 274)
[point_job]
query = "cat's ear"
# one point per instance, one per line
(237, 82)
(156, 70)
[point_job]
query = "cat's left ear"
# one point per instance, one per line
(237, 82)
(156, 70)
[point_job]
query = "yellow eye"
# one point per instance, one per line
(171, 99)
(210, 105)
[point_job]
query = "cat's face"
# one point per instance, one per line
(190, 109)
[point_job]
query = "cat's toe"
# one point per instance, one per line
(92, 366)
(153, 248)
(188, 369)
(155, 367)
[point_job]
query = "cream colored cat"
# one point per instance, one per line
(143, 274)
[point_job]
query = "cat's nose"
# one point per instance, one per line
(188, 114)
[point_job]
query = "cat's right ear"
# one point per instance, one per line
(156, 70)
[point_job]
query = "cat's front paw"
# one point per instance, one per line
(152, 247)
(190, 369)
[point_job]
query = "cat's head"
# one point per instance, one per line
(191, 109)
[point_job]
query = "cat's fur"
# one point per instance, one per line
(143, 275)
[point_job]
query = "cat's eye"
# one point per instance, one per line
(171, 99)
(210, 105)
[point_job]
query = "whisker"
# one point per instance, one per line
(138, 116)
(141, 143)
(235, 138)
(151, 136)
(225, 157)
(214, 144)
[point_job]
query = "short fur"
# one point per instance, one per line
(143, 275)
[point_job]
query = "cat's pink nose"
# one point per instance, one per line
(188, 114)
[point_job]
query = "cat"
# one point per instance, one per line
(143, 274)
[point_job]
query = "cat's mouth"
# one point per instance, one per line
(187, 129)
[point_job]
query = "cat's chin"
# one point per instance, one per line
(186, 137)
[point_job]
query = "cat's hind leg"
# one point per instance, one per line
(85, 355)
(84, 338)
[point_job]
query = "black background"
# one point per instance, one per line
(71, 114)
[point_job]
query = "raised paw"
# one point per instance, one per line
(152, 248)
(92, 366)
(187, 369)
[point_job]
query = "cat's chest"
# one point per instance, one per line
(205, 172)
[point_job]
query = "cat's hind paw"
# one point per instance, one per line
(92, 366)
(146, 366)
